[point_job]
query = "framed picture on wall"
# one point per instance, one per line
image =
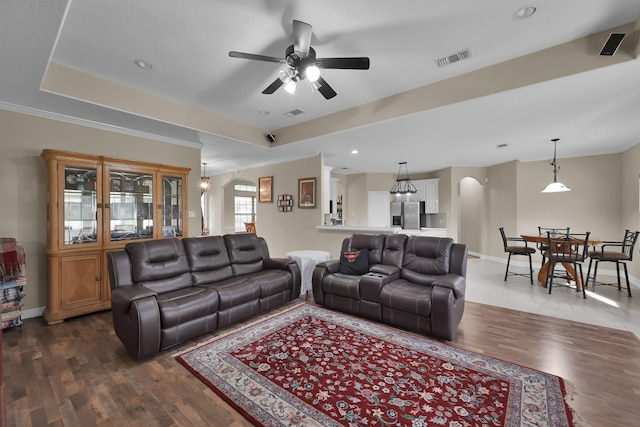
(265, 189)
(307, 193)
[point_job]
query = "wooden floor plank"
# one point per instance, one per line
(77, 373)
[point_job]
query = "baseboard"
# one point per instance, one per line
(33, 312)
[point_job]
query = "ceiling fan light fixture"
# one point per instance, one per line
(290, 87)
(312, 72)
(284, 76)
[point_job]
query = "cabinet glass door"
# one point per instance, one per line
(130, 206)
(172, 199)
(80, 205)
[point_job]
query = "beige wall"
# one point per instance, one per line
(23, 188)
(630, 211)
(604, 197)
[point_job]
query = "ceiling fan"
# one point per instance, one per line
(303, 64)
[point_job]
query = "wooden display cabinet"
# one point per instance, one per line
(97, 204)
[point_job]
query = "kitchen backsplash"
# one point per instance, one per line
(438, 220)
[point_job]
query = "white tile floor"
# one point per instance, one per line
(606, 307)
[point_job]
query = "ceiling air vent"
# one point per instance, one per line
(294, 113)
(455, 57)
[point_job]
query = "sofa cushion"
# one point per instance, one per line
(236, 291)
(342, 284)
(245, 253)
(160, 265)
(208, 258)
(374, 243)
(354, 262)
(273, 281)
(408, 297)
(394, 246)
(426, 258)
(186, 304)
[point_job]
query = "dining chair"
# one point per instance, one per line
(618, 252)
(250, 227)
(516, 249)
(542, 246)
(569, 250)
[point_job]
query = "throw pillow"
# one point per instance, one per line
(354, 262)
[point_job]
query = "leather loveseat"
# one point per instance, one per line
(416, 283)
(165, 292)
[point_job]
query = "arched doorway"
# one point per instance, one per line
(239, 205)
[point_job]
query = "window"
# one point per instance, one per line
(245, 201)
(245, 210)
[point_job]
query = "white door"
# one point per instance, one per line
(379, 205)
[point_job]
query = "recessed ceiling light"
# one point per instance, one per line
(143, 64)
(354, 151)
(264, 112)
(524, 13)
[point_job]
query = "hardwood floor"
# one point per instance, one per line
(78, 373)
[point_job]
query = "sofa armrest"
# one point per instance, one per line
(330, 267)
(371, 283)
(276, 263)
(131, 293)
(322, 270)
(136, 320)
(289, 265)
(387, 270)
(456, 283)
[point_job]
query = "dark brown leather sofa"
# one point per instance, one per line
(165, 292)
(416, 283)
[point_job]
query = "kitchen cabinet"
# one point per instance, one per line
(97, 204)
(427, 192)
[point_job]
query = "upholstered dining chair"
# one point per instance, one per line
(570, 250)
(542, 246)
(618, 252)
(512, 248)
(250, 227)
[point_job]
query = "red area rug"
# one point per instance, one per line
(311, 366)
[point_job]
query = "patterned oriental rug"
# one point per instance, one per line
(310, 366)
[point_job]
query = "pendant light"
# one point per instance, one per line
(555, 186)
(403, 185)
(204, 181)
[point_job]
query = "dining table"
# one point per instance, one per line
(544, 270)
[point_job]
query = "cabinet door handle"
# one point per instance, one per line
(99, 205)
(159, 206)
(106, 205)
(98, 278)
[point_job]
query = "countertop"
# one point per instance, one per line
(389, 230)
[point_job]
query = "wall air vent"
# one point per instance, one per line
(294, 113)
(454, 57)
(499, 146)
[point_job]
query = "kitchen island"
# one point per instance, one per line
(435, 232)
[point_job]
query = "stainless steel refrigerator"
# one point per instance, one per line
(408, 215)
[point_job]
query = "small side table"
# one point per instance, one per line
(307, 260)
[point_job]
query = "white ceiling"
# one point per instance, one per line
(187, 43)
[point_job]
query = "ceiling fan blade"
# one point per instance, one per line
(324, 88)
(273, 87)
(356, 63)
(243, 55)
(301, 37)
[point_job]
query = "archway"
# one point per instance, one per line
(239, 204)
